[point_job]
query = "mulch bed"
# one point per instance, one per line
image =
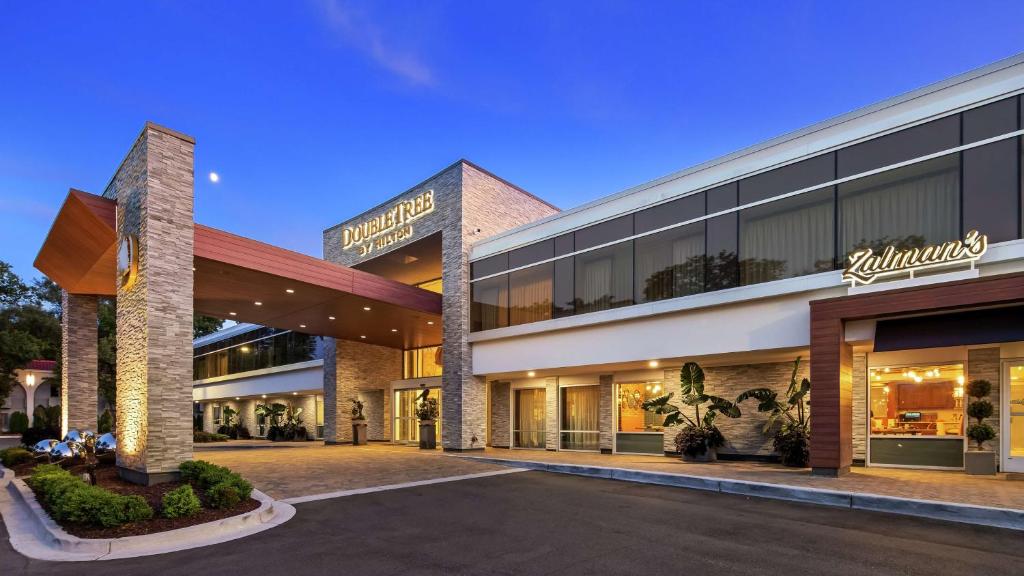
(106, 477)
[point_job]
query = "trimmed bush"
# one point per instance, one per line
(11, 457)
(180, 502)
(105, 423)
(19, 422)
(32, 435)
(223, 495)
(207, 475)
(203, 437)
(70, 499)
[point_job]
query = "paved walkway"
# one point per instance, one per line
(995, 491)
(290, 470)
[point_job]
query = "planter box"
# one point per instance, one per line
(980, 462)
(710, 456)
(428, 435)
(359, 432)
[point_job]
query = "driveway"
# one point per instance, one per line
(541, 523)
(290, 470)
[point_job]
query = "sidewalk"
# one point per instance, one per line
(990, 500)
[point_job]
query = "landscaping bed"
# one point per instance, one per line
(74, 501)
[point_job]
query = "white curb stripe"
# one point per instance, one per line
(386, 487)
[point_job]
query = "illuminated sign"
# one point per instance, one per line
(383, 230)
(864, 266)
(128, 261)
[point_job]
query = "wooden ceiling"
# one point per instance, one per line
(232, 273)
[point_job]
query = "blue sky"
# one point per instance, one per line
(313, 111)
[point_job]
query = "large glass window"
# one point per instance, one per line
(422, 362)
(638, 430)
(604, 278)
(929, 138)
(580, 429)
(490, 303)
(670, 264)
(909, 207)
(530, 292)
(564, 291)
(528, 421)
(256, 350)
(787, 238)
(991, 192)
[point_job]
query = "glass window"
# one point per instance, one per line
(532, 253)
(722, 198)
(604, 278)
(490, 303)
(565, 244)
(787, 238)
(670, 264)
(255, 350)
(674, 212)
(490, 265)
(991, 190)
(917, 400)
(565, 295)
(935, 136)
(422, 362)
(530, 292)
(909, 207)
(579, 419)
(722, 265)
(528, 421)
(791, 178)
(605, 232)
(629, 404)
(990, 120)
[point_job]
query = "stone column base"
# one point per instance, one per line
(147, 478)
(830, 472)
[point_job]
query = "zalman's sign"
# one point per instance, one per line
(383, 230)
(864, 266)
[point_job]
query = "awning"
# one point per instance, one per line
(987, 326)
(233, 273)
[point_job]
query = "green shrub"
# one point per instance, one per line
(223, 495)
(105, 423)
(207, 475)
(32, 435)
(11, 457)
(180, 502)
(70, 499)
(19, 422)
(203, 437)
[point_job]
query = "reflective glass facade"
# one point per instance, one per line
(254, 350)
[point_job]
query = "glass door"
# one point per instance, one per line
(528, 422)
(1013, 421)
(407, 426)
(580, 413)
(638, 431)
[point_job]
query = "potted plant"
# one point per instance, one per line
(272, 414)
(426, 411)
(980, 461)
(789, 422)
(358, 423)
(699, 439)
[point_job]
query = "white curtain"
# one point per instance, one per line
(604, 278)
(490, 298)
(791, 237)
(530, 294)
(669, 264)
(529, 418)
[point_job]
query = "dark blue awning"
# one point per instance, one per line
(988, 326)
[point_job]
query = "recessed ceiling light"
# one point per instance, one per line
(289, 290)
(258, 303)
(531, 373)
(394, 329)
(302, 325)
(263, 395)
(193, 268)
(295, 393)
(330, 318)
(653, 363)
(431, 322)
(237, 398)
(367, 308)
(233, 313)
(363, 336)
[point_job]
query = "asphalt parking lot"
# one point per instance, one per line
(542, 523)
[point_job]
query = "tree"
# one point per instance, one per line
(28, 330)
(203, 325)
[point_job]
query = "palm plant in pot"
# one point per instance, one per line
(358, 422)
(699, 439)
(426, 412)
(789, 421)
(980, 461)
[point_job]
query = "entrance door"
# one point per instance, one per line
(1013, 416)
(406, 425)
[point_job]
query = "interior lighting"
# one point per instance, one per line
(918, 379)
(885, 388)
(960, 379)
(244, 349)
(657, 388)
(886, 370)
(237, 398)
(264, 396)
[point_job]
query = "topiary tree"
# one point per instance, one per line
(19, 422)
(980, 409)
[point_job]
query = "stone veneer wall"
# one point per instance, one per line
(485, 206)
(154, 192)
(376, 415)
(501, 406)
(350, 367)
(860, 406)
(79, 363)
(605, 422)
(551, 413)
(983, 364)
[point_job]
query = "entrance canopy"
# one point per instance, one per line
(241, 279)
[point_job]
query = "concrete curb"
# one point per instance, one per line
(34, 534)
(964, 513)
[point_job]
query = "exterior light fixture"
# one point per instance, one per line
(531, 373)
(258, 303)
(237, 398)
(30, 380)
(295, 393)
(363, 336)
(289, 290)
(653, 363)
(330, 318)
(430, 322)
(960, 380)
(367, 308)
(193, 268)
(264, 396)
(232, 313)
(302, 325)
(394, 329)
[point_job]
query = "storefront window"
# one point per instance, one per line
(530, 294)
(580, 414)
(916, 415)
(638, 430)
(528, 422)
(422, 362)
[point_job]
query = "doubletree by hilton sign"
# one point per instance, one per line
(393, 225)
(864, 266)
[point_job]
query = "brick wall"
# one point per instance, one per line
(500, 414)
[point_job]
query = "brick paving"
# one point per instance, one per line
(997, 491)
(289, 470)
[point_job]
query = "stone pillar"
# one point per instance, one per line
(247, 415)
(605, 416)
(551, 413)
(373, 409)
(308, 405)
(348, 367)
(832, 397)
(79, 363)
(154, 192)
(500, 414)
(860, 406)
(208, 424)
(670, 385)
